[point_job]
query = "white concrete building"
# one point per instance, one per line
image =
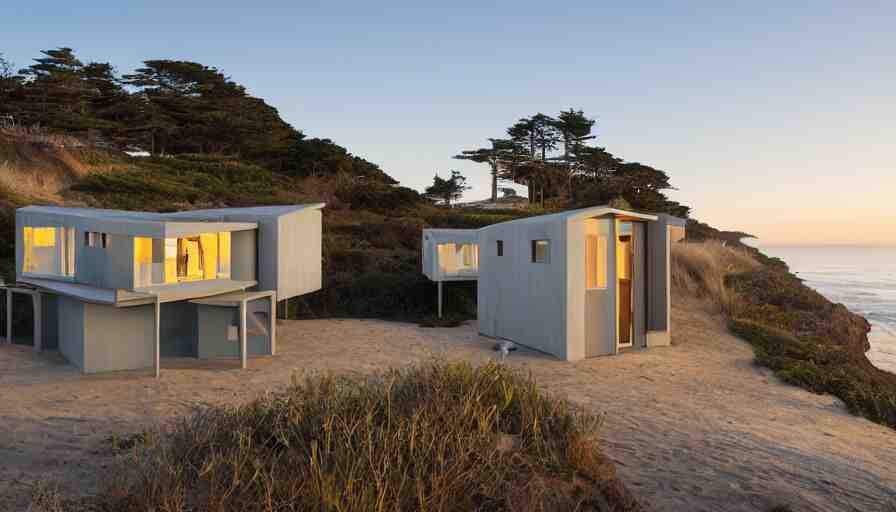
(116, 290)
(575, 284)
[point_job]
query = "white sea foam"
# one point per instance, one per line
(862, 278)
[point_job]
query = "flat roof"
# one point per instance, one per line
(163, 225)
(452, 235)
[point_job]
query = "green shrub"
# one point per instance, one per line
(433, 437)
(377, 196)
(823, 365)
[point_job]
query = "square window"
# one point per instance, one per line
(541, 251)
(500, 247)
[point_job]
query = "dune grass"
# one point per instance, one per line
(700, 269)
(438, 436)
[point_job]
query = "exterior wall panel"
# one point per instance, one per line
(298, 254)
(71, 330)
(599, 309)
(118, 338)
(178, 329)
(243, 255)
(520, 300)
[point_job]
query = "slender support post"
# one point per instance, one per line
(157, 347)
(243, 356)
(440, 299)
(273, 330)
(9, 315)
(38, 335)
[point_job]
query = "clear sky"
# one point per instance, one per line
(773, 119)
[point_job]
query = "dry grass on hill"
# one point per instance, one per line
(437, 436)
(700, 269)
(40, 166)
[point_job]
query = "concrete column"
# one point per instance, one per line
(9, 315)
(243, 356)
(157, 347)
(273, 330)
(38, 335)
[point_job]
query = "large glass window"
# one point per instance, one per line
(48, 250)
(175, 260)
(467, 257)
(458, 258)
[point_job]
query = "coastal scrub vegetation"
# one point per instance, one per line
(65, 126)
(807, 340)
(436, 436)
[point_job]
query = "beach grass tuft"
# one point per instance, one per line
(435, 436)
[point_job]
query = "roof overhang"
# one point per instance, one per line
(452, 235)
(601, 211)
(126, 298)
(91, 294)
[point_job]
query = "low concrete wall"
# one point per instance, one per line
(118, 338)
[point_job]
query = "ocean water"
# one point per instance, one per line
(862, 278)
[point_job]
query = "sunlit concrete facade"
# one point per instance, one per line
(575, 284)
(116, 290)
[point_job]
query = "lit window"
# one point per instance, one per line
(596, 261)
(445, 254)
(195, 258)
(500, 247)
(467, 257)
(224, 255)
(171, 260)
(142, 262)
(48, 250)
(541, 251)
(68, 261)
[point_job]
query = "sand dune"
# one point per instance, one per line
(694, 426)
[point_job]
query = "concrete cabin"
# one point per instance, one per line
(117, 290)
(450, 255)
(574, 284)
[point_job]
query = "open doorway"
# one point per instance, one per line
(624, 279)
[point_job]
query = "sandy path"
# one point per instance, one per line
(692, 427)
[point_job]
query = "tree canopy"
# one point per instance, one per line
(166, 107)
(556, 159)
(447, 190)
